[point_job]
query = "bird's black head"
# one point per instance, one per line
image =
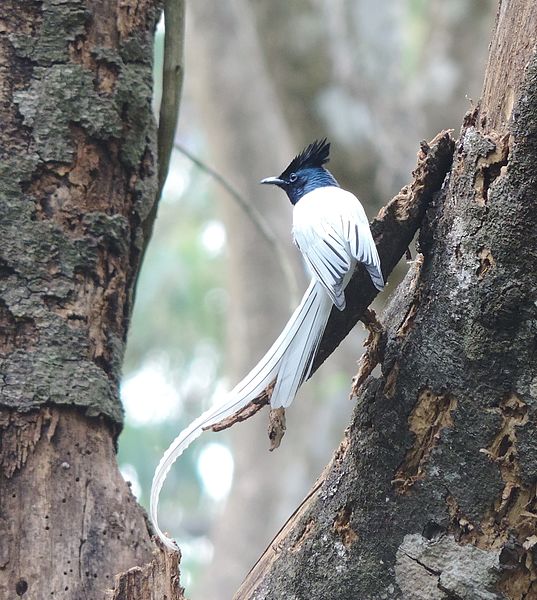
(305, 172)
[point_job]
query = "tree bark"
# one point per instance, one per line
(77, 183)
(431, 494)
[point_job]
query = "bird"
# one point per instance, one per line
(331, 230)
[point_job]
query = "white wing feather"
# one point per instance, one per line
(332, 231)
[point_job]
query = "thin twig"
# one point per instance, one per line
(172, 84)
(257, 219)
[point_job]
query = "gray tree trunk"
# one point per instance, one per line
(77, 181)
(431, 494)
(248, 139)
(374, 76)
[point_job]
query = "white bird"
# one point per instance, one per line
(331, 230)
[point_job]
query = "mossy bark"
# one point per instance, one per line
(77, 183)
(432, 493)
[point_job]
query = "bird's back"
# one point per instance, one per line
(331, 229)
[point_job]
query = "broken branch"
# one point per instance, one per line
(393, 230)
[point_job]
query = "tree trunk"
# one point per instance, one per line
(248, 139)
(77, 181)
(431, 494)
(325, 57)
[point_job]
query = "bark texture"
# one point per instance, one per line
(77, 183)
(431, 494)
(68, 520)
(156, 580)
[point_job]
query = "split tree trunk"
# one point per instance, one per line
(432, 494)
(77, 183)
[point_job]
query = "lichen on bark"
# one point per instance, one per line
(77, 181)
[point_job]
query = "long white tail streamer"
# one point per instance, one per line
(288, 362)
(332, 231)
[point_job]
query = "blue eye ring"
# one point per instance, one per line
(293, 177)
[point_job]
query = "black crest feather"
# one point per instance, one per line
(315, 155)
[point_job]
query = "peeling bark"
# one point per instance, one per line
(68, 521)
(436, 474)
(156, 580)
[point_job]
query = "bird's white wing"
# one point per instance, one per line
(361, 243)
(331, 229)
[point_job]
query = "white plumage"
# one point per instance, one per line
(332, 232)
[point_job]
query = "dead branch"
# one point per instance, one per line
(276, 427)
(393, 230)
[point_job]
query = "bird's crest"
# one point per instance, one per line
(315, 155)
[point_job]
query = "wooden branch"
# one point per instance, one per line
(172, 85)
(276, 427)
(393, 230)
(245, 413)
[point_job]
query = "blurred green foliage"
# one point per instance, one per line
(177, 331)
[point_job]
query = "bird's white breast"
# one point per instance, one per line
(331, 229)
(327, 206)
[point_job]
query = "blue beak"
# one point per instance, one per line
(273, 181)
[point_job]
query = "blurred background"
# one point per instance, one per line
(263, 79)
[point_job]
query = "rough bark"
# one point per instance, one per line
(432, 492)
(68, 520)
(156, 580)
(77, 182)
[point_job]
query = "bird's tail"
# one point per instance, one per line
(288, 362)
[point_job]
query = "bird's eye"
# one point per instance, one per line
(293, 177)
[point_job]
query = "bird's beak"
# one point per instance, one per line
(273, 181)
